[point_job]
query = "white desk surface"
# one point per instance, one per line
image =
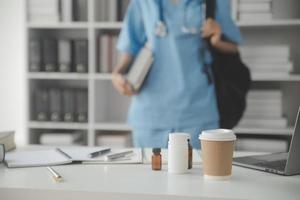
(140, 182)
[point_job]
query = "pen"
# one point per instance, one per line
(63, 153)
(56, 176)
(98, 153)
(117, 155)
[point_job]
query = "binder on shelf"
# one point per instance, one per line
(68, 105)
(108, 54)
(64, 55)
(35, 55)
(112, 10)
(55, 105)
(122, 8)
(115, 53)
(41, 112)
(66, 10)
(80, 10)
(103, 47)
(82, 105)
(81, 55)
(50, 54)
(102, 14)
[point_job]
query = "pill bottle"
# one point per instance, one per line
(178, 153)
(156, 159)
(190, 159)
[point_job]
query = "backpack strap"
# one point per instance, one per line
(210, 9)
(210, 12)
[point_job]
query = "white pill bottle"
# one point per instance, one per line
(178, 153)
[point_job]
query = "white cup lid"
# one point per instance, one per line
(218, 135)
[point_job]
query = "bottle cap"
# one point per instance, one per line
(178, 138)
(156, 150)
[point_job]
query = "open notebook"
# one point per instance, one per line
(70, 154)
(81, 154)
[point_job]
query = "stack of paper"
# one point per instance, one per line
(43, 10)
(261, 145)
(62, 139)
(8, 139)
(114, 140)
(264, 110)
(255, 10)
(267, 60)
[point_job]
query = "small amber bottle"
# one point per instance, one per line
(190, 160)
(156, 159)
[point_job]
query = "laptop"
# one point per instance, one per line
(277, 163)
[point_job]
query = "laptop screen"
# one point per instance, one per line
(293, 163)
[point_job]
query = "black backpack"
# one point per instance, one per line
(231, 78)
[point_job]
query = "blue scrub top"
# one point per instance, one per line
(176, 92)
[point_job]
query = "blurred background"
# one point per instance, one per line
(56, 57)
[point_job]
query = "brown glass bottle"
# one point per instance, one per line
(190, 160)
(156, 159)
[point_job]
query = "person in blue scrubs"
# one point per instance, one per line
(177, 95)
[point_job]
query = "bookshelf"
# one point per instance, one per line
(98, 85)
(107, 109)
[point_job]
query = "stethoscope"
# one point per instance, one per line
(161, 27)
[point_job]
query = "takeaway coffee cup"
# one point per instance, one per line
(216, 151)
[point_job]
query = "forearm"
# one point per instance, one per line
(226, 47)
(123, 63)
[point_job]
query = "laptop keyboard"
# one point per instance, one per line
(277, 165)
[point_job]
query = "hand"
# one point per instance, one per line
(212, 30)
(122, 86)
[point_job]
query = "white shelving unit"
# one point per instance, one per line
(100, 91)
(275, 23)
(107, 109)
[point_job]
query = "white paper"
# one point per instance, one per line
(35, 158)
